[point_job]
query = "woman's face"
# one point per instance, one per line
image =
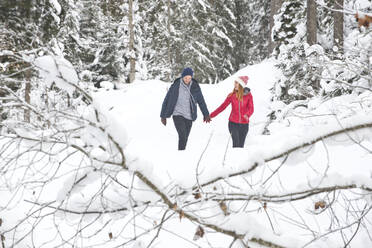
(187, 79)
(236, 86)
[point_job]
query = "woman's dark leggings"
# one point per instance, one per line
(183, 127)
(238, 133)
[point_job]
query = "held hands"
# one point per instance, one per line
(207, 119)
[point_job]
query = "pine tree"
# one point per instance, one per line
(69, 37)
(338, 24)
(256, 31)
(94, 36)
(156, 34)
(297, 83)
(275, 6)
(26, 26)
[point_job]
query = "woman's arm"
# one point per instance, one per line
(221, 107)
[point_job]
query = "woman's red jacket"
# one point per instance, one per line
(240, 110)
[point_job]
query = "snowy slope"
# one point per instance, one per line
(209, 154)
(131, 116)
(138, 106)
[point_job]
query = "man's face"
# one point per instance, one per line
(187, 79)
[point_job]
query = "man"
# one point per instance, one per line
(180, 102)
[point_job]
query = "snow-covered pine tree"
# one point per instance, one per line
(325, 24)
(275, 6)
(96, 32)
(255, 31)
(70, 42)
(157, 35)
(214, 40)
(349, 68)
(26, 27)
(338, 24)
(339, 71)
(196, 34)
(299, 81)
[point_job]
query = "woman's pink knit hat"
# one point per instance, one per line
(242, 80)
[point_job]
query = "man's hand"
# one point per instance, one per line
(207, 119)
(164, 121)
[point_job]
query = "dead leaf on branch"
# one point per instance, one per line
(174, 206)
(320, 204)
(197, 194)
(1, 221)
(265, 205)
(182, 214)
(199, 233)
(224, 208)
(110, 235)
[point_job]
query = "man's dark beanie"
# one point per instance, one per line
(187, 71)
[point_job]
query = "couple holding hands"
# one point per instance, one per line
(185, 93)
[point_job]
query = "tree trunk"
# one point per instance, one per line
(338, 27)
(275, 6)
(239, 59)
(132, 60)
(311, 22)
(168, 41)
(370, 67)
(27, 114)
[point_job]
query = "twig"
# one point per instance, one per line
(230, 246)
(224, 156)
(342, 228)
(271, 224)
(77, 212)
(276, 170)
(159, 228)
(200, 158)
(356, 231)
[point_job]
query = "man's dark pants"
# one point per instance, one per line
(183, 127)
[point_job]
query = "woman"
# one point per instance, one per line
(241, 110)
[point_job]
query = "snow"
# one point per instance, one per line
(130, 117)
(154, 146)
(58, 70)
(87, 193)
(56, 6)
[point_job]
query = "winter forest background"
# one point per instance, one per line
(85, 162)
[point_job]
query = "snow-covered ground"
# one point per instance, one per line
(137, 107)
(132, 118)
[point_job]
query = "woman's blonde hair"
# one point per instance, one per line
(238, 93)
